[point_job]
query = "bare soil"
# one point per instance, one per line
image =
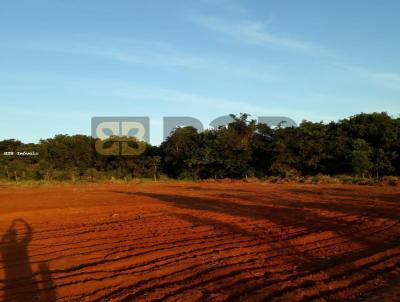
(200, 242)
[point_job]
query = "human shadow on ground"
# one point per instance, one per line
(20, 284)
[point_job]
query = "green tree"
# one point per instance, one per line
(154, 166)
(361, 157)
(45, 170)
(234, 144)
(180, 146)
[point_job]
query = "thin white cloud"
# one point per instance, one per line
(225, 6)
(177, 96)
(151, 53)
(386, 79)
(135, 92)
(201, 103)
(146, 53)
(255, 32)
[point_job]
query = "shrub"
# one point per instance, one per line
(346, 179)
(273, 179)
(391, 180)
(365, 182)
(251, 179)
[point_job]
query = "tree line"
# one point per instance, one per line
(364, 145)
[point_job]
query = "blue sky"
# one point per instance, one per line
(62, 62)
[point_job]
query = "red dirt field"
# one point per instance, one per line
(200, 242)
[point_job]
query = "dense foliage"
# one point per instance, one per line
(366, 145)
